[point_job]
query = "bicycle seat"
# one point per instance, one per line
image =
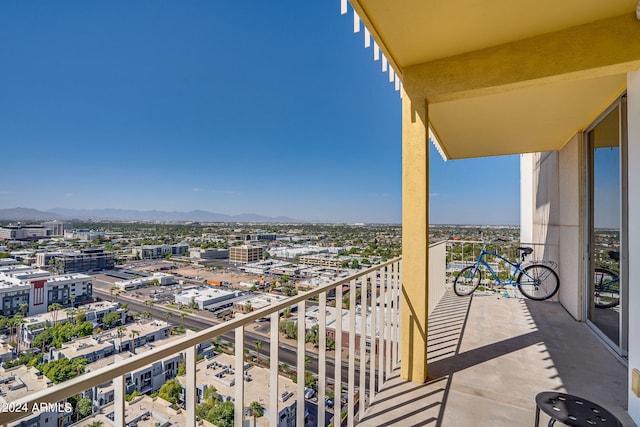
(614, 255)
(525, 250)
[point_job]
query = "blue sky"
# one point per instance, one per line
(273, 108)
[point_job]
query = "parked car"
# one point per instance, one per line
(309, 393)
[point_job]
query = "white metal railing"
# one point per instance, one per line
(380, 288)
(461, 253)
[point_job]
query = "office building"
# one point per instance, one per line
(245, 254)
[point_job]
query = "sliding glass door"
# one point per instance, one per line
(606, 287)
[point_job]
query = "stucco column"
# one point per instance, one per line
(415, 236)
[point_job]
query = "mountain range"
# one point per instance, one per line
(22, 214)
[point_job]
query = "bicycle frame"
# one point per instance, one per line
(512, 280)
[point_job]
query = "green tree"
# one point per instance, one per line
(63, 369)
(221, 415)
(289, 328)
(3, 322)
(312, 335)
(111, 319)
(84, 407)
(96, 424)
(170, 391)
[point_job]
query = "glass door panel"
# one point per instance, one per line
(604, 308)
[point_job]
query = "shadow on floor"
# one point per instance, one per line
(489, 356)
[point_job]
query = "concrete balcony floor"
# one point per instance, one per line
(488, 358)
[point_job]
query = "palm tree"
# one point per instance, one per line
(24, 307)
(120, 331)
(182, 316)
(168, 315)
(96, 424)
(258, 344)
(132, 335)
(53, 308)
(257, 410)
(18, 320)
(71, 314)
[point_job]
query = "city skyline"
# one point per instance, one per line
(273, 109)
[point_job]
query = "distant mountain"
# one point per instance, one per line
(155, 215)
(26, 214)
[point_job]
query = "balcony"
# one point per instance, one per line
(489, 355)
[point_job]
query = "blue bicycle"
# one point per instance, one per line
(536, 281)
(607, 285)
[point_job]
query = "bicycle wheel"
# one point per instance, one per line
(607, 288)
(538, 282)
(467, 280)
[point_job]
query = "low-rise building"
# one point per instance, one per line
(83, 235)
(147, 379)
(209, 253)
(20, 381)
(13, 294)
(206, 298)
(56, 228)
(94, 313)
(159, 251)
(324, 260)
(130, 338)
(162, 279)
(23, 232)
(219, 372)
(6, 262)
(68, 290)
(291, 252)
(255, 302)
(348, 328)
(245, 254)
(264, 267)
(78, 261)
(142, 411)
(38, 289)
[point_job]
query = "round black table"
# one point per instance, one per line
(573, 411)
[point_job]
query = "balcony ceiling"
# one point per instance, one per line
(505, 77)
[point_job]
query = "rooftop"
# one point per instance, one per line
(20, 381)
(212, 372)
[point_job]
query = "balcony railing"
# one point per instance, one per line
(375, 309)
